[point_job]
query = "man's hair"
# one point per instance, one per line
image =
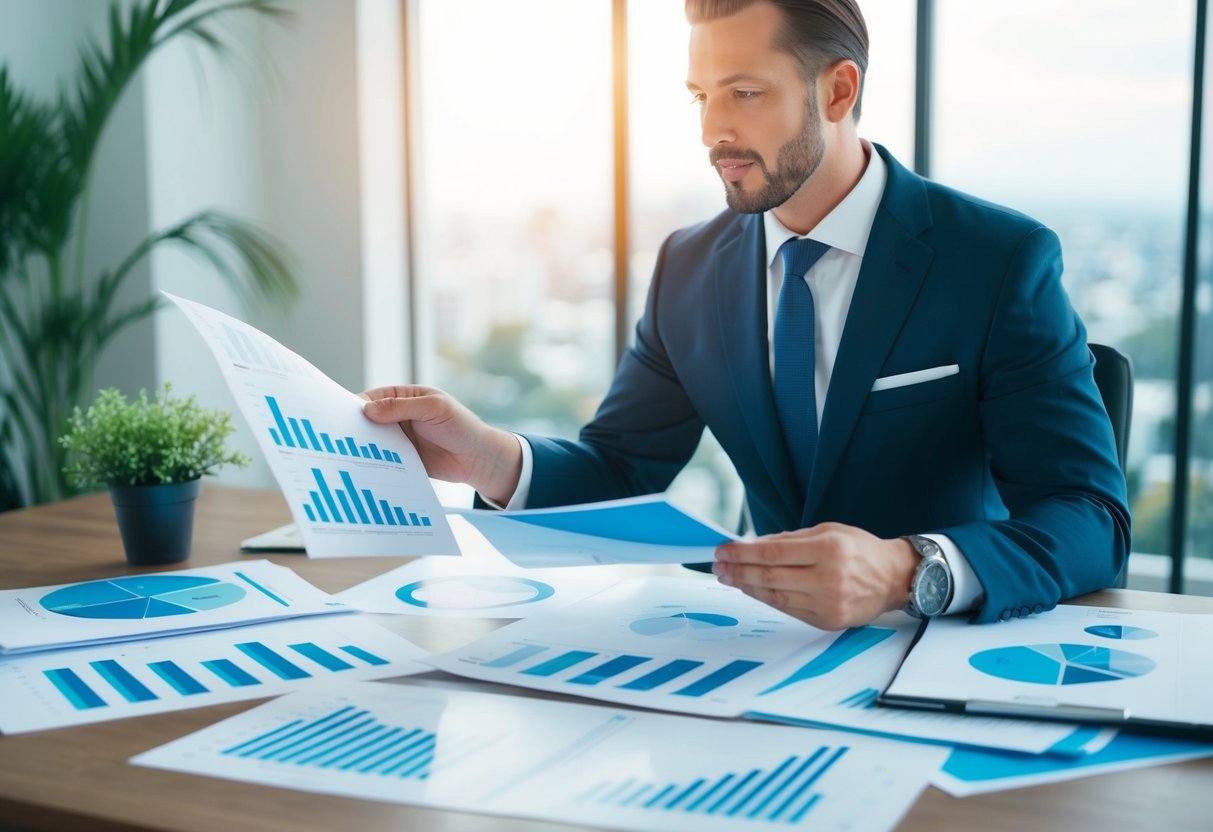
(817, 33)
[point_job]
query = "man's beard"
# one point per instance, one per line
(794, 164)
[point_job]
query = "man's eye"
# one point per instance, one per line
(746, 93)
(698, 98)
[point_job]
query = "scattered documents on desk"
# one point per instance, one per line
(647, 529)
(970, 771)
(1130, 668)
(96, 684)
(837, 682)
(676, 644)
(130, 607)
(480, 584)
(557, 761)
(354, 487)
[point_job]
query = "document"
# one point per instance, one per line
(480, 584)
(647, 529)
(96, 684)
(355, 488)
(838, 679)
(676, 644)
(131, 607)
(558, 761)
(1119, 667)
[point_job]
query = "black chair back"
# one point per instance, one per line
(1114, 378)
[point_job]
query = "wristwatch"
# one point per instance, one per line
(931, 588)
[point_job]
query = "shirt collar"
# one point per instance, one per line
(846, 227)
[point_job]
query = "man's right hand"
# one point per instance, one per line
(453, 442)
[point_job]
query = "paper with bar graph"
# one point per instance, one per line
(354, 487)
(680, 644)
(835, 683)
(558, 761)
(128, 607)
(95, 684)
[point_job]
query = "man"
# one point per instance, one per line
(907, 396)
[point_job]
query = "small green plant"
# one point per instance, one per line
(146, 441)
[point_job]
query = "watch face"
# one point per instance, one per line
(931, 589)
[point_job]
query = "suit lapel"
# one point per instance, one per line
(894, 266)
(741, 308)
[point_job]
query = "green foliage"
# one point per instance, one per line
(146, 442)
(54, 319)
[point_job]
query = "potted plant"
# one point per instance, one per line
(55, 316)
(152, 454)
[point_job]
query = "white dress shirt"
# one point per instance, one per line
(832, 282)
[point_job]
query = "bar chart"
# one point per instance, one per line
(783, 794)
(557, 761)
(189, 671)
(350, 504)
(298, 433)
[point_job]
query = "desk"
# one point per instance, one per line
(78, 778)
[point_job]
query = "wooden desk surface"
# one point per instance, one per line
(78, 778)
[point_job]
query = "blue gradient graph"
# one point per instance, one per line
(479, 592)
(1060, 664)
(298, 433)
(683, 624)
(847, 646)
(1120, 631)
(142, 596)
(783, 794)
(355, 506)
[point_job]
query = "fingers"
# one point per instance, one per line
(404, 404)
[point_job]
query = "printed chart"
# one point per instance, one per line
(557, 761)
(354, 487)
(837, 685)
(137, 606)
(1061, 664)
(670, 643)
(71, 687)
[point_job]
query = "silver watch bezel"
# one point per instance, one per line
(930, 554)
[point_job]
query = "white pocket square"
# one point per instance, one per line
(916, 377)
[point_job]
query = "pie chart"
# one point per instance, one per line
(1120, 631)
(1061, 664)
(685, 625)
(474, 592)
(142, 596)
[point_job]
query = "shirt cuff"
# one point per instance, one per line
(518, 499)
(967, 591)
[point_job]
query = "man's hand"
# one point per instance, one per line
(453, 442)
(832, 576)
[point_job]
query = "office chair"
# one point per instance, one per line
(1114, 378)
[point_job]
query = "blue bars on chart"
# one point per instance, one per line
(298, 433)
(608, 667)
(112, 681)
(354, 505)
(347, 739)
(783, 794)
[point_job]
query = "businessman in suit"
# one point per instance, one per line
(893, 367)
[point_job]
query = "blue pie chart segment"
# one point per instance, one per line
(1061, 664)
(1120, 631)
(474, 592)
(142, 596)
(685, 624)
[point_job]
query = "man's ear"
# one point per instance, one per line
(838, 90)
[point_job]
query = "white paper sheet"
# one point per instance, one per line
(558, 761)
(354, 487)
(837, 681)
(647, 529)
(681, 644)
(1150, 666)
(128, 607)
(96, 684)
(481, 584)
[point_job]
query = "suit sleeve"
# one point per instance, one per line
(1051, 450)
(644, 432)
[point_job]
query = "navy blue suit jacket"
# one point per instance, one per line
(1012, 458)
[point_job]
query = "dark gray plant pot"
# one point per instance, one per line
(156, 521)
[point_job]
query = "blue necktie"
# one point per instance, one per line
(795, 396)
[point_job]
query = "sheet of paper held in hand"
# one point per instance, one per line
(355, 488)
(647, 529)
